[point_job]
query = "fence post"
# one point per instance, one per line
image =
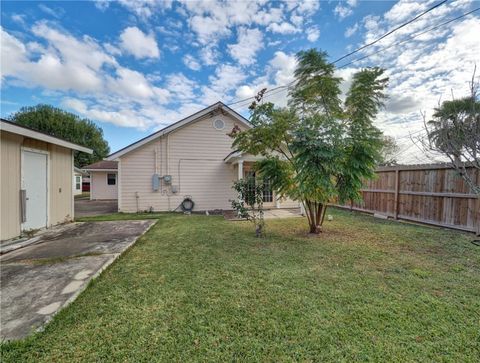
(397, 187)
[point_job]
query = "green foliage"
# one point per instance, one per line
(454, 132)
(249, 202)
(318, 149)
(68, 126)
(455, 126)
(389, 151)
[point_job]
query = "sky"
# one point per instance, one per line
(134, 67)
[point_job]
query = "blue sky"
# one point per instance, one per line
(134, 66)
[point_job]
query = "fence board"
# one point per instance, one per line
(432, 194)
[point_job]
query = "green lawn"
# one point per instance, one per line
(201, 289)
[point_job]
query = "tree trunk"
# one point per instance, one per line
(316, 212)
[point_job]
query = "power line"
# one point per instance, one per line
(284, 87)
(390, 32)
(355, 51)
(410, 38)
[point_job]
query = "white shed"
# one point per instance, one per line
(36, 179)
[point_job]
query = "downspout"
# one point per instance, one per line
(167, 162)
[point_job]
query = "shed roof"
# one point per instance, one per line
(14, 128)
(102, 165)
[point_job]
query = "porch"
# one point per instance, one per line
(243, 167)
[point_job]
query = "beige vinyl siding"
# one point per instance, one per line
(195, 161)
(288, 203)
(10, 185)
(60, 184)
(99, 189)
(59, 189)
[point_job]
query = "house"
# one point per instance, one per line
(103, 180)
(36, 179)
(191, 158)
(78, 178)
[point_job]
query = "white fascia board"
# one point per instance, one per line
(178, 125)
(93, 170)
(14, 129)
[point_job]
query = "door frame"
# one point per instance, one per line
(22, 177)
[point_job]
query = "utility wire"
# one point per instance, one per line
(358, 49)
(390, 32)
(285, 87)
(409, 38)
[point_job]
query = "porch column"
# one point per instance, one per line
(240, 169)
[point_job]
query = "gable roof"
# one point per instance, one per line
(102, 165)
(15, 128)
(177, 125)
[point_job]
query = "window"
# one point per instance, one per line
(78, 182)
(111, 179)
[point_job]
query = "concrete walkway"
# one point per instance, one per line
(40, 279)
(86, 208)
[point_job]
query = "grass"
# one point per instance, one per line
(201, 289)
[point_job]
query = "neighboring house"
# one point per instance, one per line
(36, 179)
(103, 180)
(78, 176)
(192, 157)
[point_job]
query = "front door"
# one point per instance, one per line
(268, 195)
(34, 181)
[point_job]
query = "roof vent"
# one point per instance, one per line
(219, 124)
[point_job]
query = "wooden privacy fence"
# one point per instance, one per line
(432, 193)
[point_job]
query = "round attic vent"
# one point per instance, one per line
(219, 124)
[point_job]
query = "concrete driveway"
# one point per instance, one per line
(86, 208)
(40, 279)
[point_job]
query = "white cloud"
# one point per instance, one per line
(283, 66)
(182, 87)
(130, 84)
(191, 62)
(402, 10)
(342, 11)
(227, 78)
(214, 20)
(145, 9)
(209, 55)
(351, 30)
(282, 28)
(209, 28)
(56, 13)
(19, 19)
(104, 90)
(139, 44)
(102, 5)
(313, 34)
(244, 92)
(345, 8)
(124, 117)
(249, 42)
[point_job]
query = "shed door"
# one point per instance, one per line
(35, 185)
